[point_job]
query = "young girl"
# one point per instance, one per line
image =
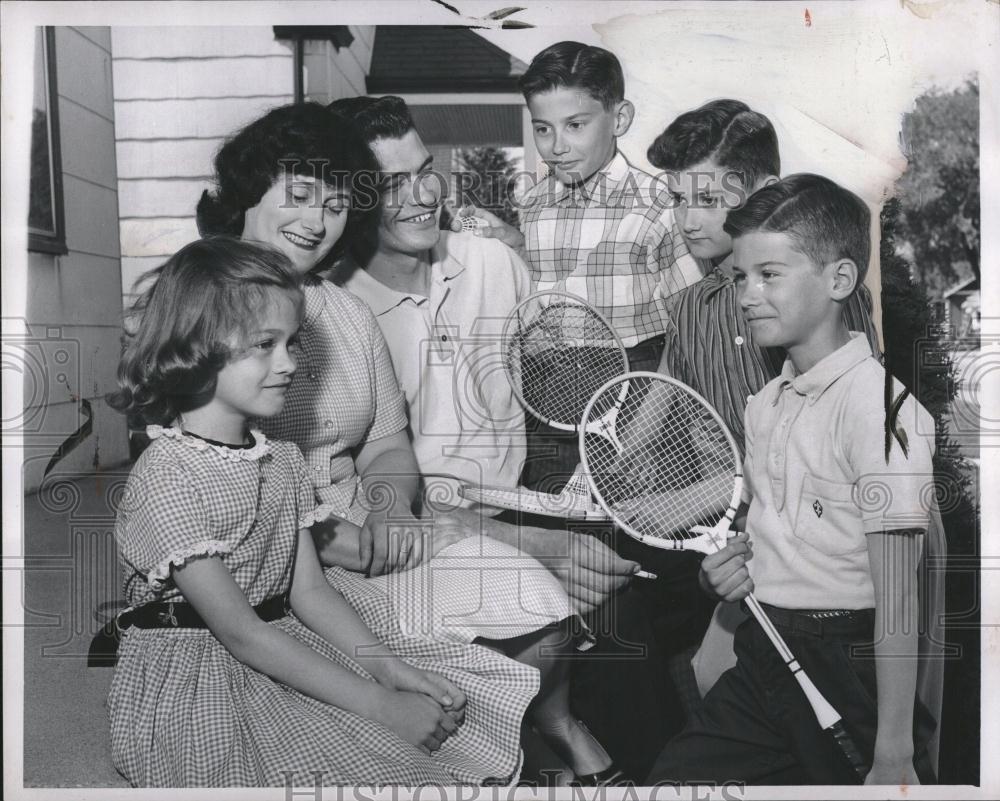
(239, 664)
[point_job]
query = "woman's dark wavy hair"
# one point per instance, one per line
(181, 331)
(300, 139)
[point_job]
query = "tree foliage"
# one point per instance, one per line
(939, 216)
(487, 181)
(918, 352)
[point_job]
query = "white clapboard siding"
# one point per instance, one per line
(73, 299)
(92, 158)
(86, 77)
(190, 42)
(241, 76)
(188, 119)
(152, 198)
(134, 269)
(161, 236)
(179, 92)
(166, 158)
(333, 73)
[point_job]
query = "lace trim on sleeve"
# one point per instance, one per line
(158, 576)
(322, 512)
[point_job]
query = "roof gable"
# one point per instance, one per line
(435, 58)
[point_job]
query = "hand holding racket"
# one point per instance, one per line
(662, 463)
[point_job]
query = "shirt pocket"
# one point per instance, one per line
(828, 519)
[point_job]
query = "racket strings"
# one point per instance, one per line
(558, 356)
(675, 467)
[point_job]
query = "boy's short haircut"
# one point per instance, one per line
(376, 117)
(826, 221)
(728, 132)
(574, 65)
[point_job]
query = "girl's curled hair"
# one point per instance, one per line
(297, 139)
(203, 302)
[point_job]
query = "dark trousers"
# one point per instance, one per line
(620, 688)
(756, 727)
(635, 687)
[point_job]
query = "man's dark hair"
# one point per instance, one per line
(376, 117)
(826, 221)
(728, 132)
(574, 65)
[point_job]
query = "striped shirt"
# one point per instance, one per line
(611, 240)
(710, 348)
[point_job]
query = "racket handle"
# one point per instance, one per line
(826, 715)
(849, 749)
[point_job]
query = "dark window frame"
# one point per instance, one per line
(40, 241)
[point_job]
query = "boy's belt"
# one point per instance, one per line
(817, 621)
(647, 348)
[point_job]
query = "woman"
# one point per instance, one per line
(301, 180)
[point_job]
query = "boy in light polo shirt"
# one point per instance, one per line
(835, 520)
(713, 158)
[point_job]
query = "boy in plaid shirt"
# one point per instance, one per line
(595, 226)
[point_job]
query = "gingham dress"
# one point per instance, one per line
(184, 712)
(345, 393)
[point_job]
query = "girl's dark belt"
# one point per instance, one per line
(180, 615)
(165, 615)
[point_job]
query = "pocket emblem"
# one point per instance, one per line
(818, 508)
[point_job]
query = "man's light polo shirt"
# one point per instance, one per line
(445, 349)
(817, 473)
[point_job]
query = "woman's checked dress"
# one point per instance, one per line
(184, 712)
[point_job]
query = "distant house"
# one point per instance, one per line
(962, 308)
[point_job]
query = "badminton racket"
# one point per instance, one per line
(661, 462)
(557, 351)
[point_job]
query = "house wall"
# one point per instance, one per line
(331, 73)
(73, 311)
(179, 91)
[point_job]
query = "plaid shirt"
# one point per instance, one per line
(612, 240)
